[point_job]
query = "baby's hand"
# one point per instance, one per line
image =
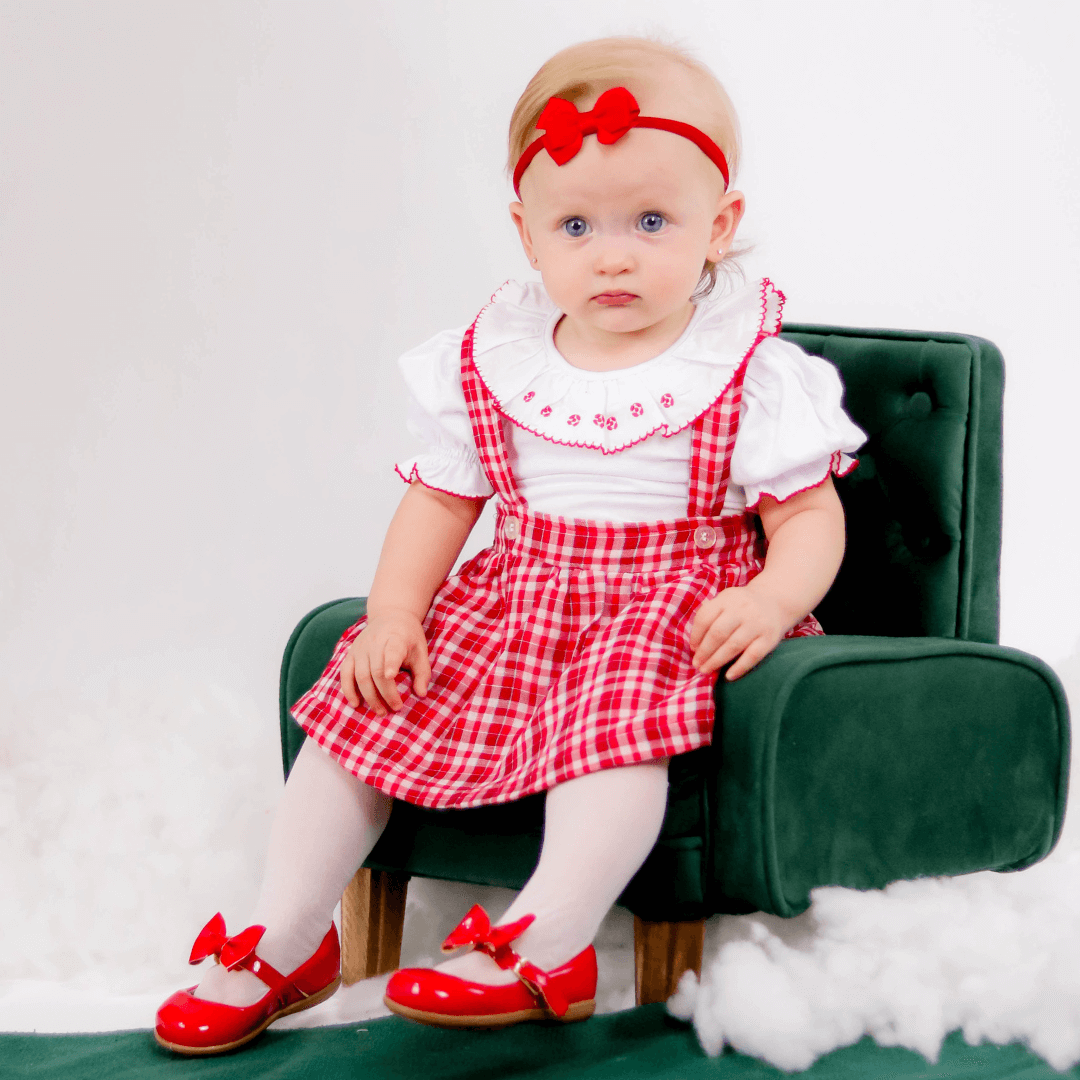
(741, 622)
(390, 641)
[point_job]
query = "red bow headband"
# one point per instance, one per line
(613, 115)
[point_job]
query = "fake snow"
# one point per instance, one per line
(129, 817)
(996, 955)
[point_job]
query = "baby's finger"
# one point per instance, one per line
(706, 615)
(393, 656)
(727, 652)
(348, 682)
(421, 669)
(752, 655)
(386, 671)
(721, 630)
(367, 688)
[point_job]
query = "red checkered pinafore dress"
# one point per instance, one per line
(559, 650)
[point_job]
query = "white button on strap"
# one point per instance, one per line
(512, 527)
(705, 537)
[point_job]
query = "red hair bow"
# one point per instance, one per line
(213, 940)
(564, 127)
(614, 114)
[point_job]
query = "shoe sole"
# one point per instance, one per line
(580, 1010)
(222, 1048)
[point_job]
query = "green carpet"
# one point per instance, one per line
(641, 1042)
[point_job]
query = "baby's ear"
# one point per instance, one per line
(517, 213)
(729, 213)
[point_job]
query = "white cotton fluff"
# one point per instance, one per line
(127, 818)
(682, 1003)
(996, 955)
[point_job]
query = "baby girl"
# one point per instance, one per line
(662, 464)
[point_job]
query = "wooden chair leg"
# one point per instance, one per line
(662, 952)
(372, 917)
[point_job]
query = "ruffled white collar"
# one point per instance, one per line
(532, 384)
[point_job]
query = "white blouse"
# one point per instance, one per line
(615, 445)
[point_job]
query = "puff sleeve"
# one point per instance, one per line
(439, 417)
(793, 431)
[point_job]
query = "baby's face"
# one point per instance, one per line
(620, 233)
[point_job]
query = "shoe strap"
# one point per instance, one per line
(534, 979)
(262, 970)
(476, 930)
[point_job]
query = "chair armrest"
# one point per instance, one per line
(306, 655)
(857, 761)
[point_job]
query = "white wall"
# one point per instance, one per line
(220, 222)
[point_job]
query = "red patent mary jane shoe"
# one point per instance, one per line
(190, 1025)
(433, 997)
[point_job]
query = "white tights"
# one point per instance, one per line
(598, 829)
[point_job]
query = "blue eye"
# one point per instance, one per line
(575, 226)
(651, 222)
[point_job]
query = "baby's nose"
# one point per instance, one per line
(613, 258)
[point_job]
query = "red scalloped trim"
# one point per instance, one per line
(850, 469)
(583, 445)
(766, 284)
(415, 475)
(492, 300)
(833, 470)
(761, 335)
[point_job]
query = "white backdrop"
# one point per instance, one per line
(220, 223)
(223, 221)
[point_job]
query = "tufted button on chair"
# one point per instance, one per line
(905, 743)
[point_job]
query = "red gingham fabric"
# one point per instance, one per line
(559, 650)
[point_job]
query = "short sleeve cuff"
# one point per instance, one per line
(801, 479)
(451, 474)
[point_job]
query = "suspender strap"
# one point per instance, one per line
(715, 432)
(487, 425)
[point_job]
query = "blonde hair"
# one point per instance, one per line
(587, 69)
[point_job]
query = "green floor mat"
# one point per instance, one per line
(643, 1042)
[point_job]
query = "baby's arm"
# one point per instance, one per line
(425, 538)
(806, 546)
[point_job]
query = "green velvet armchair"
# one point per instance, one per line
(905, 743)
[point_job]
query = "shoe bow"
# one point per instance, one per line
(476, 930)
(213, 940)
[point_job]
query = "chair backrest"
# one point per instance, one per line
(924, 506)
